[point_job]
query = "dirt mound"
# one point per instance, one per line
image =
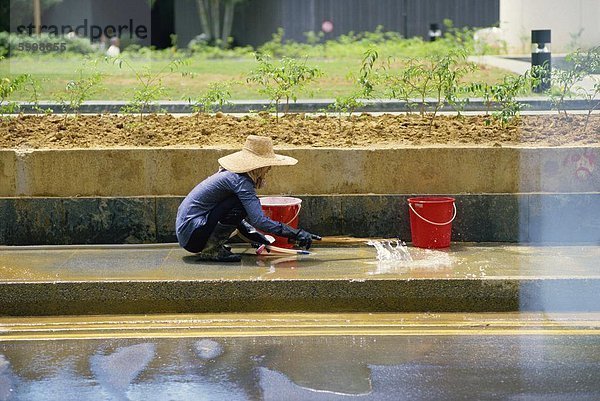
(57, 132)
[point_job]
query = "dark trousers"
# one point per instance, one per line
(229, 212)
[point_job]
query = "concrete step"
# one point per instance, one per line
(81, 280)
(225, 325)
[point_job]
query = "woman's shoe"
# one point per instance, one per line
(214, 250)
(220, 254)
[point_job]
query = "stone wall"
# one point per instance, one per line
(536, 218)
(169, 171)
(99, 196)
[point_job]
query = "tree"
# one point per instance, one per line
(20, 12)
(216, 18)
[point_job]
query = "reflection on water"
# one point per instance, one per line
(273, 262)
(276, 386)
(6, 381)
(208, 349)
(116, 371)
(304, 368)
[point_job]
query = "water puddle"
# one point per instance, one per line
(307, 367)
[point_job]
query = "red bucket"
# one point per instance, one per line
(285, 210)
(431, 221)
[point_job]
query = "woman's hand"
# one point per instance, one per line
(304, 239)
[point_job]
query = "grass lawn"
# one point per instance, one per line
(53, 73)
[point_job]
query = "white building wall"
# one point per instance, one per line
(566, 18)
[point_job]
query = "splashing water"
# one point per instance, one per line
(387, 251)
(394, 257)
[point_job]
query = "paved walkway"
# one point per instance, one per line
(520, 67)
(165, 279)
(169, 262)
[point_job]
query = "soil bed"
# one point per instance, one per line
(100, 131)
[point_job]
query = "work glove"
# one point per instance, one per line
(304, 239)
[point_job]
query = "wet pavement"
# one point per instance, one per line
(165, 279)
(539, 355)
(321, 357)
(156, 262)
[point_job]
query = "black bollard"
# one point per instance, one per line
(541, 57)
(434, 32)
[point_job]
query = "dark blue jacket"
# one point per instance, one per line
(193, 211)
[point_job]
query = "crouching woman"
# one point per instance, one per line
(227, 201)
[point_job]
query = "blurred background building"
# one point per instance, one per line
(257, 20)
(574, 23)
(254, 21)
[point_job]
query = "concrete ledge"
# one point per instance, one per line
(8, 173)
(536, 218)
(301, 106)
(141, 280)
(169, 171)
(29, 299)
(332, 296)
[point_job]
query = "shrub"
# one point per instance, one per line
(149, 87)
(7, 87)
(355, 44)
(13, 44)
(82, 88)
(437, 75)
(366, 85)
(217, 95)
(282, 79)
(582, 64)
(504, 95)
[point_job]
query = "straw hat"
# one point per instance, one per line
(256, 153)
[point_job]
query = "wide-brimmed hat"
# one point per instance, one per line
(256, 153)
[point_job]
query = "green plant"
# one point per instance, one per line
(437, 75)
(283, 79)
(345, 104)
(462, 38)
(313, 38)
(367, 77)
(34, 88)
(217, 95)
(446, 74)
(366, 81)
(273, 47)
(82, 88)
(591, 98)
(504, 96)
(202, 49)
(565, 80)
(407, 84)
(149, 87)
(7, 87)
(353, 45)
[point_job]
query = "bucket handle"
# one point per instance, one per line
(296, 215)
(431, 222)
